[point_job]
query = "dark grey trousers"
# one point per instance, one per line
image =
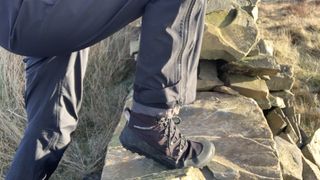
(54, 34)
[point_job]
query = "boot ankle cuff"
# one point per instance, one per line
(155, 112)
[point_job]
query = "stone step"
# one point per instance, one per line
(245, 148)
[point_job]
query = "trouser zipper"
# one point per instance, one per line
(185, 36)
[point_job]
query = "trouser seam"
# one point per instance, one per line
(56, 107)
(57, 131)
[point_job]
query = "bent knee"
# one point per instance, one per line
(21, 32)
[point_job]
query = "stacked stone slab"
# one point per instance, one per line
(233, 53)
(245, 61)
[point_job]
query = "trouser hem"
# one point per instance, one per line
(153, 111)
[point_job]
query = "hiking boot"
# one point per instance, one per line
(161, 140)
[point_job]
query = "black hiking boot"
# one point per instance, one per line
(161, 140)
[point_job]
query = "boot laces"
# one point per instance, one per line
(172, 134)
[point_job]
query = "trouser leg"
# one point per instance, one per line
(166, 73)
(171, 38)
(43, 28)
(53, 98)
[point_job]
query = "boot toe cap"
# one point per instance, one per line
(204, 157)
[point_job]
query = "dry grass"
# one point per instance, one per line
(106, 85)
(295, 31)
(12, 115)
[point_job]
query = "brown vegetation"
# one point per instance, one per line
(295, 31)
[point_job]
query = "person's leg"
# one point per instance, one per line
(170, 40)
(171, 37)
(166, 71)
(43, 28)
(53, 97)
(166, 78)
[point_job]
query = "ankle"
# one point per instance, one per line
(155, 112)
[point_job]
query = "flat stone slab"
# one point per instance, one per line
(245, 148)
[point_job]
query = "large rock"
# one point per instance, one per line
(276, 122)
(291, 133)
(266, 47)
(226, 90)
(252, 87)
(294, 165)
(312, 150)
(310, 170)
(208, 76)
(214, 5)
(253, 66)
(304, 137)
(290, 159)
(250, 6)
(295, 127)
(253, 11)
(205, 85)
(236, 125)
(229, 34)
(289, 111)
(282, 81)
(287, 96)
(277, 101)
(263, 47)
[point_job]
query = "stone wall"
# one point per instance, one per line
(234, 55)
